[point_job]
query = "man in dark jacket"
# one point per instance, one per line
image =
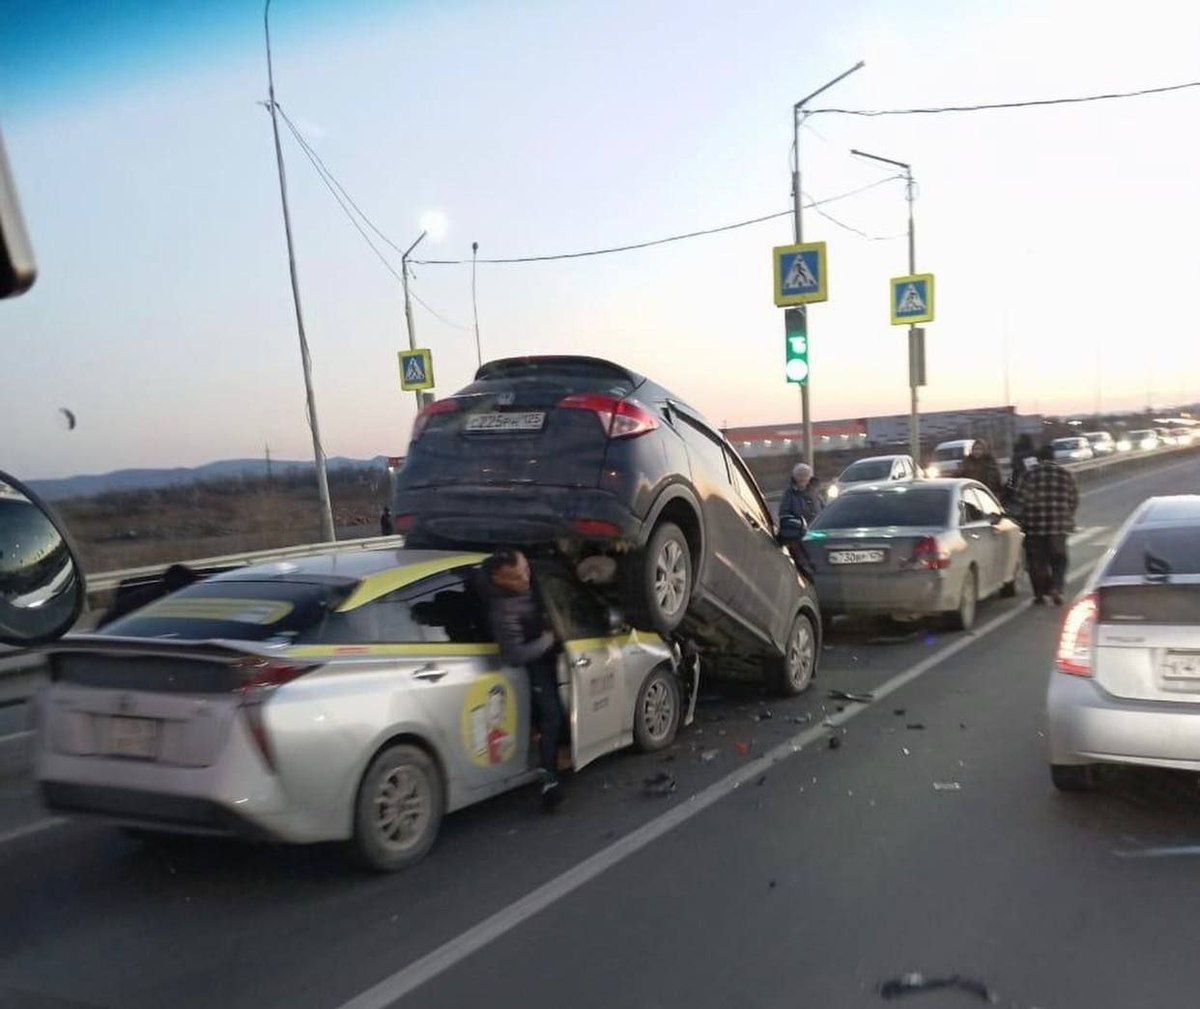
(387, 527)
(519, 627)
(981, 465)
(1048, 498)
(800, 505)
(1024, 458)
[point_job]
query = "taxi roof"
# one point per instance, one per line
(352, 564)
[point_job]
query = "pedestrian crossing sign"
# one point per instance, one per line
(800, 276)
(416, 370)
(912, 299)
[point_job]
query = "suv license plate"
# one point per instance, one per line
(133, 737)
(857, 556)
(481, 423)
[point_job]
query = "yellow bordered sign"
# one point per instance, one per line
(912, 299)
(800, 274)
(416, 370)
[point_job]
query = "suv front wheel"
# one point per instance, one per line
(661, 580)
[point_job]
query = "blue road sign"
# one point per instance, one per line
(800, 274)
(912, 299)
(416, 370)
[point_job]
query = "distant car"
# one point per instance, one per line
(875, 469)
(1125, 685)
(1180, 435)
(1071, 449)
(355, 695)
(914, 549)
(589, 459)
(948, 458)
(1144, 440)
(1102, 442)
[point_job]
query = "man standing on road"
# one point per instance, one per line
(981, 465)
(518, 625)
(801, 504)
(1049, 498)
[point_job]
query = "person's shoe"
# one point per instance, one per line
(552, 796)
(1057, 597)
(1039, 601)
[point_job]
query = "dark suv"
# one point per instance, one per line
(586, 456)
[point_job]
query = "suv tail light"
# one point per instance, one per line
(422, 421)
(261, 677)
(927, 555)
(1074, 656)
(620, 418)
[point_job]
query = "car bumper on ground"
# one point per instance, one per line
(1087, 725)
(492, 515)
(236, 796)
(909, 592)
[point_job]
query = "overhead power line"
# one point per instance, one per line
(938, 110)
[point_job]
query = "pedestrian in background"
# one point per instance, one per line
(801, 499)
(1049, 499)
(386, 526)
(981, 465)
(1024, 457)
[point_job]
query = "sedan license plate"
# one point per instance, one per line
(482, 423)
(133, 737)
(857, 556)
(1182, 666)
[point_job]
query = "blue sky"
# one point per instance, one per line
(162, 316)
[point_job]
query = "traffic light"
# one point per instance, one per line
(795, 324)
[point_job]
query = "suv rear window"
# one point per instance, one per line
(571, 375)
(1178, 546)
(232, 610)
(877, 469)
(910, 507)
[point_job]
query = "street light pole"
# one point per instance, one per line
(327, 531)
(408, 316)
(914, 352)
(797, 205)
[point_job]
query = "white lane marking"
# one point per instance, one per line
(31, 828)
(1182, 849)
(14, 737)
(453, 952)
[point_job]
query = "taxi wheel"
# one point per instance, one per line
(657, 712)
(398, 809)
(792, 672)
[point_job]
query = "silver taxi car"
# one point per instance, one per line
(349, 696)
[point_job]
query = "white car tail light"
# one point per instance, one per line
(261, 679)
(1077, 638)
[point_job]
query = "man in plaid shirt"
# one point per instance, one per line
(1048, 497)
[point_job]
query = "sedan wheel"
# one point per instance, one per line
(398, 810)
(963, 619)
(658, 710)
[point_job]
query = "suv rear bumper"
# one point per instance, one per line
(485, 514)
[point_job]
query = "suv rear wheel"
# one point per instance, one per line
(661, 580)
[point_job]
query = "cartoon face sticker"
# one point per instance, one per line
(489, 721)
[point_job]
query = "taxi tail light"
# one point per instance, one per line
(927, 555)
(620, 418)
(1078, 635)
(442, 406)
(259, 680)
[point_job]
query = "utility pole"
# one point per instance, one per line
(269, 480)
(797, 204)
(475, 305)
(327, 531)
(408, 315)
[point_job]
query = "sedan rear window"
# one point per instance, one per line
(877, 469)
(1167, 550)
(926, 506)
(232, 610)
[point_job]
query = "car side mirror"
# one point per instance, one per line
(42, 590)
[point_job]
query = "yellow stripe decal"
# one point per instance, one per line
(241, 611)
(615, 640)
(444, 649)
(373, 587)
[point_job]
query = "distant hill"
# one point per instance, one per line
(153, 479)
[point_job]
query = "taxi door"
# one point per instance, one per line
(595, 689)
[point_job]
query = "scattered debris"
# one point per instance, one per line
(708, 756)
(947, 786)
(911, 983)
(771, 885)
(915, 725)
(765, 715)
(761, 781)
(800, 719)
(840, 707)
(662, 783)
(714, 717)
(835, 742)
(846, 695)
(743, 749)
(900, 712)
(905, 751)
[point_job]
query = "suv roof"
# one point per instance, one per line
(550, 364)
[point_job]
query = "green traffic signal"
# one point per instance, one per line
(795, 325)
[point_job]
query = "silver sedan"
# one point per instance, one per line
(349, 696)
(914, 549)
(1125, 687)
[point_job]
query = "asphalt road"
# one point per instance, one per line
(781, 872)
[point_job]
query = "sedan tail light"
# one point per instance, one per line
(261, 677)
(620, 418)
(1074, 656)
(433, 410)
(928, 555)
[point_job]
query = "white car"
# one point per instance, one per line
(1102, 442)
(1145, 440)
(1071, 449)
(1125, 688)
(948, 458)
(875, 469)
